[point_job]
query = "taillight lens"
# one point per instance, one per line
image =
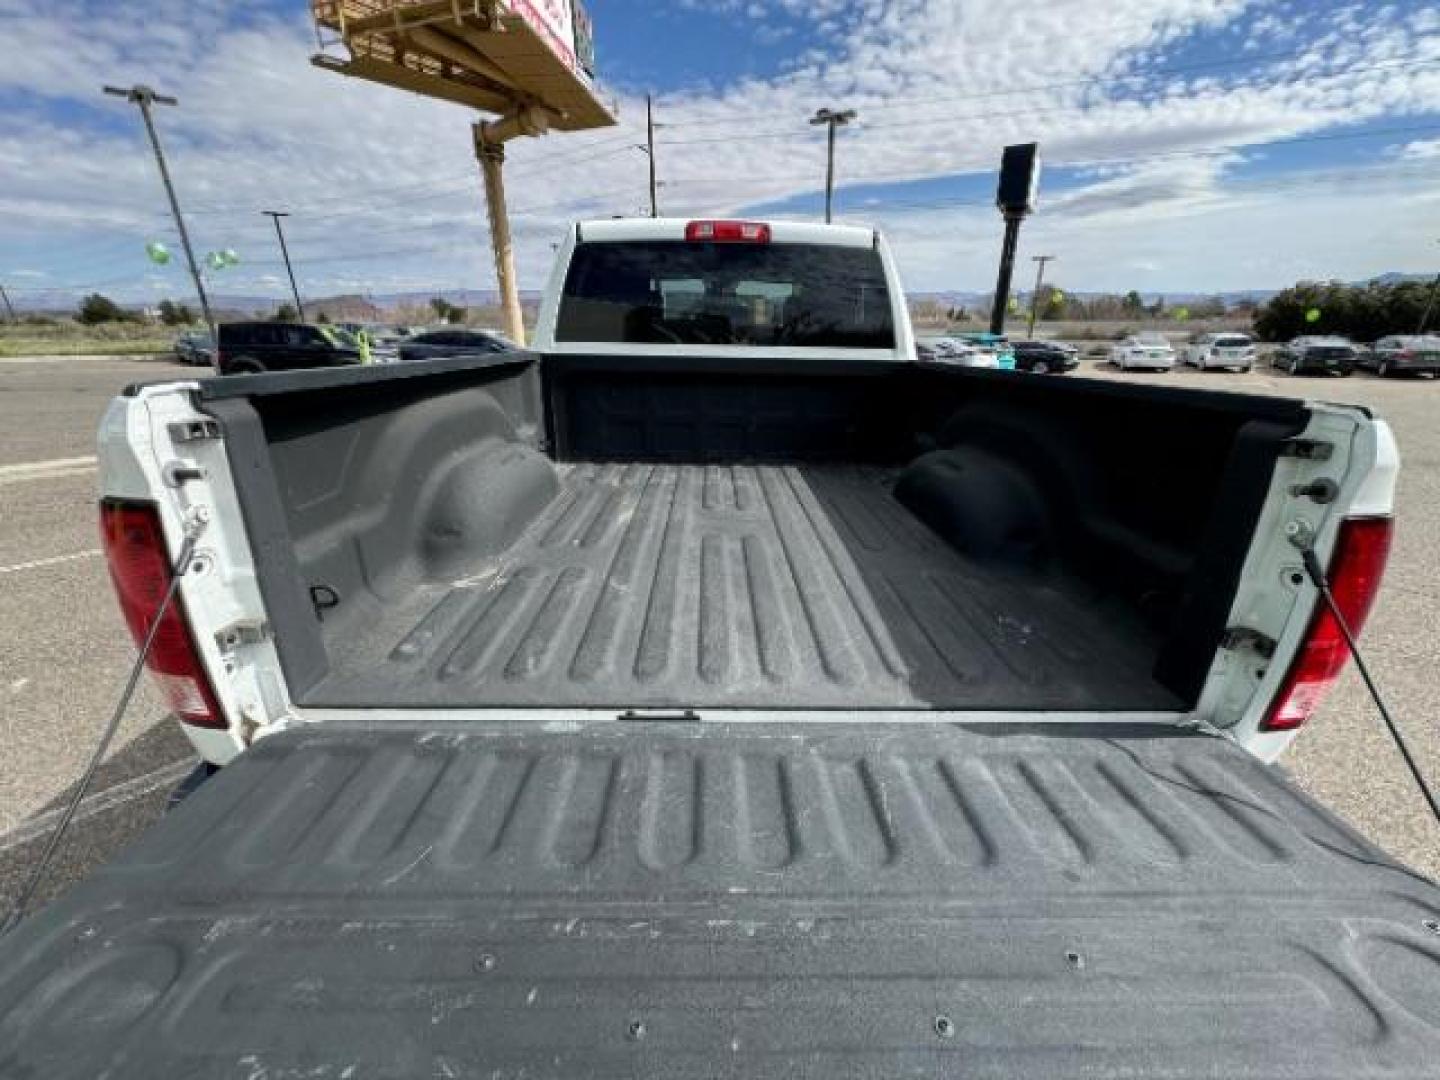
(729, 232)
(1356, 568)
(140, 569)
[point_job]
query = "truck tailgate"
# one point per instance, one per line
(671, 899)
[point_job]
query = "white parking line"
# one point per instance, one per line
(111, 798)
(54, 560)
(54, 469)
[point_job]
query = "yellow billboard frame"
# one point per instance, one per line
(504, 57)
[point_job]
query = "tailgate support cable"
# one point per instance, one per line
(37, 874)
(1318, 577)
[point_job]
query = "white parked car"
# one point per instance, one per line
(1150, 352)
(1233, 352)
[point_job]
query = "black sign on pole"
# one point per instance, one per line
(1015, 197)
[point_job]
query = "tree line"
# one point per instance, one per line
(1358, 312)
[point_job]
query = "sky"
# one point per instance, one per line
(1188, 145)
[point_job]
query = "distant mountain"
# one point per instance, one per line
(1395, 278)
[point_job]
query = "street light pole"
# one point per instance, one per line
(650, 153)
(275, 216)
(832, 119)
(145, 97)
(1429, 304)
(1040, 261)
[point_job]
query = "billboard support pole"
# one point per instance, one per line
(490, 139)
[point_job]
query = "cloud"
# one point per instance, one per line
(384, 185)
(1421, 150)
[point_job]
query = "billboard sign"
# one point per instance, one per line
(554, 21)
(584, 37)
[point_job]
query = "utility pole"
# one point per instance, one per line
(6, 297)
(650, 153)
(1429, 304)
(1040, 261)
(833, 119)
(145, 97)
(275, 216)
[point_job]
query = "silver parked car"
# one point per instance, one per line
(1403, 354)
(1229, 351)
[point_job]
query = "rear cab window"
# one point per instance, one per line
(676, 292)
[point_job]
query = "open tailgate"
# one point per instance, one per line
(687, 900)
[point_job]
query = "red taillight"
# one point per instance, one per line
(1355, 572)
(140, 568)
(728, 232)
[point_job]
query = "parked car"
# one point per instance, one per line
(1402, 354)
(248, 348)
(794, 712)
(1147, 352)
(1045, 357)
(195, 347)
(1229, 351)
(1323, 355)
(997, 345)
(434, 344)
(951, 350)
(385, 343)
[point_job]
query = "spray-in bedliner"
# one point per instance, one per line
(742, 586)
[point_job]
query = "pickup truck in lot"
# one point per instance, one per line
(714, 691)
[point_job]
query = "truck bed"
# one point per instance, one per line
(697, 900)
(762, 586)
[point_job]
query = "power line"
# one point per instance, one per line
(459, 181)
(935, 204)
(930, 121)
(428, 191)
(1244, 187)
(1140, 159)
(619, 144)
(887, 207)
(1096, 80)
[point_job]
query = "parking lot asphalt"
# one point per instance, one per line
(65, 653)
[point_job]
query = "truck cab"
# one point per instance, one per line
(680, 287)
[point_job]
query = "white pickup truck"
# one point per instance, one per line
(714, 691)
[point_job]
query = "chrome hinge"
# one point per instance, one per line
(1238, 637)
